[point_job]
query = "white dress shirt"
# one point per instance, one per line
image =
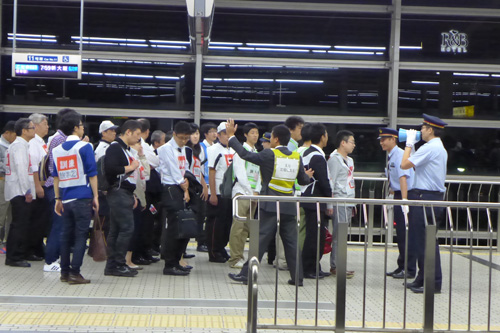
(219, 158)
(19, 174)
(152, 158)
(38, 149)
(173, 163)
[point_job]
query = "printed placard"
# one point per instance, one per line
(286, 168)
(67, 168)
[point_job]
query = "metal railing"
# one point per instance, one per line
(469, 190)
(428, 302)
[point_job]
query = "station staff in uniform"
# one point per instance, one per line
(429, 162)
(20, 190)
(400, 182)
(279, 168)
(173, 166)
(75, 187)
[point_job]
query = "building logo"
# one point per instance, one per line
(454, 41)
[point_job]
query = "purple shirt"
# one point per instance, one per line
(57, 140)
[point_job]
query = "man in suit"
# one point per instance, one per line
(279, 168)
(314, 158)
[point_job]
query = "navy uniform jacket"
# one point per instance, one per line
(321, 187)
(265, 160)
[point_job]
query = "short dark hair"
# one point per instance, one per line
(317, 130)
(293, 121)
(306, 132)
(60, 115)
(9, 127)
(342, 135)
(145, 124)
(21, 124)
(438, 132)
(168, 135)
(194, 127)
(132, 125)
(69, 121)
(282, 133)
(205, 128)
(183, 127)
(248, 127)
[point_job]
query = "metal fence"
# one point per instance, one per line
(375, 187)
(466, 292)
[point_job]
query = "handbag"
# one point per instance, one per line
(328, 242)
(98, 245)
(187, 224)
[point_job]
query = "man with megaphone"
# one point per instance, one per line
(429, 162)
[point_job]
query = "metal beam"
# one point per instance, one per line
(392, 103)
(448, 66)
(245, 116)
(466, 123)
(451, 11)
(95, 111)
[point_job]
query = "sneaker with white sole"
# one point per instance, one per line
(54, 267)
(239, 264)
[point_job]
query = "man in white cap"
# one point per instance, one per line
(219, 210)
(107, 130)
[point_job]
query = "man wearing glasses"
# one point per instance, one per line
(20, 190)
(341, 169)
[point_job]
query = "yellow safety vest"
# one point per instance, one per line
(286, 169)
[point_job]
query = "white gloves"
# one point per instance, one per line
(411, 137)
(405, 208)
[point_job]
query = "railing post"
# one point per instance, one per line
(253, 267)
(498, 225)
(429, 276)
(371, 194)
(341, 263)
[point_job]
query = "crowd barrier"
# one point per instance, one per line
(428, 302)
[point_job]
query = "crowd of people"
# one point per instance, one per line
(56, 190)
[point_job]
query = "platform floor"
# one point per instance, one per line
(208, 301)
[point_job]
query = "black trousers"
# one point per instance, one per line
(17, 240)
(309, 251)
(145, 236)
(121, 203)
(218, 227)
(39, 225)
(416, 233)
(172, 247)
(401, 238)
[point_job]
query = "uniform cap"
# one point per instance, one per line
(266, 137)
(433, 121)
(387, 132)
(106, 125)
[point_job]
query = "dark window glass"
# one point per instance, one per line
(452, 39)
(446, 93)
(294, 90)
(292, 34)
(455, 3)
(108, 83)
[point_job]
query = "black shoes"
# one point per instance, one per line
(238, 277)
(414, 284)
(420, 290)
(202, 248)
(153, 253)
(19, 263)
(401, 275)
(141, 261)
(188, 255)
(217, 258)
(124, 271)
(396, 271)
(175, 271)
(291, 282)
(64, 277)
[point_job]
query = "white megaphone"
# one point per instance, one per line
(402, 135)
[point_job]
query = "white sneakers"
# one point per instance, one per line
(239, 264)
(54, 267)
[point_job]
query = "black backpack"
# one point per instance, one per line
(102, 181)
(228, 181)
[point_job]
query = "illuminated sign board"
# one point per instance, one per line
(454, 41)
(47, 66)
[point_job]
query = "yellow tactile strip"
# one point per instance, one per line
(178, 321)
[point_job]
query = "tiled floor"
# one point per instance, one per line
(207, 301)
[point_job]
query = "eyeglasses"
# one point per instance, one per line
(30, 128)
(353, 142)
